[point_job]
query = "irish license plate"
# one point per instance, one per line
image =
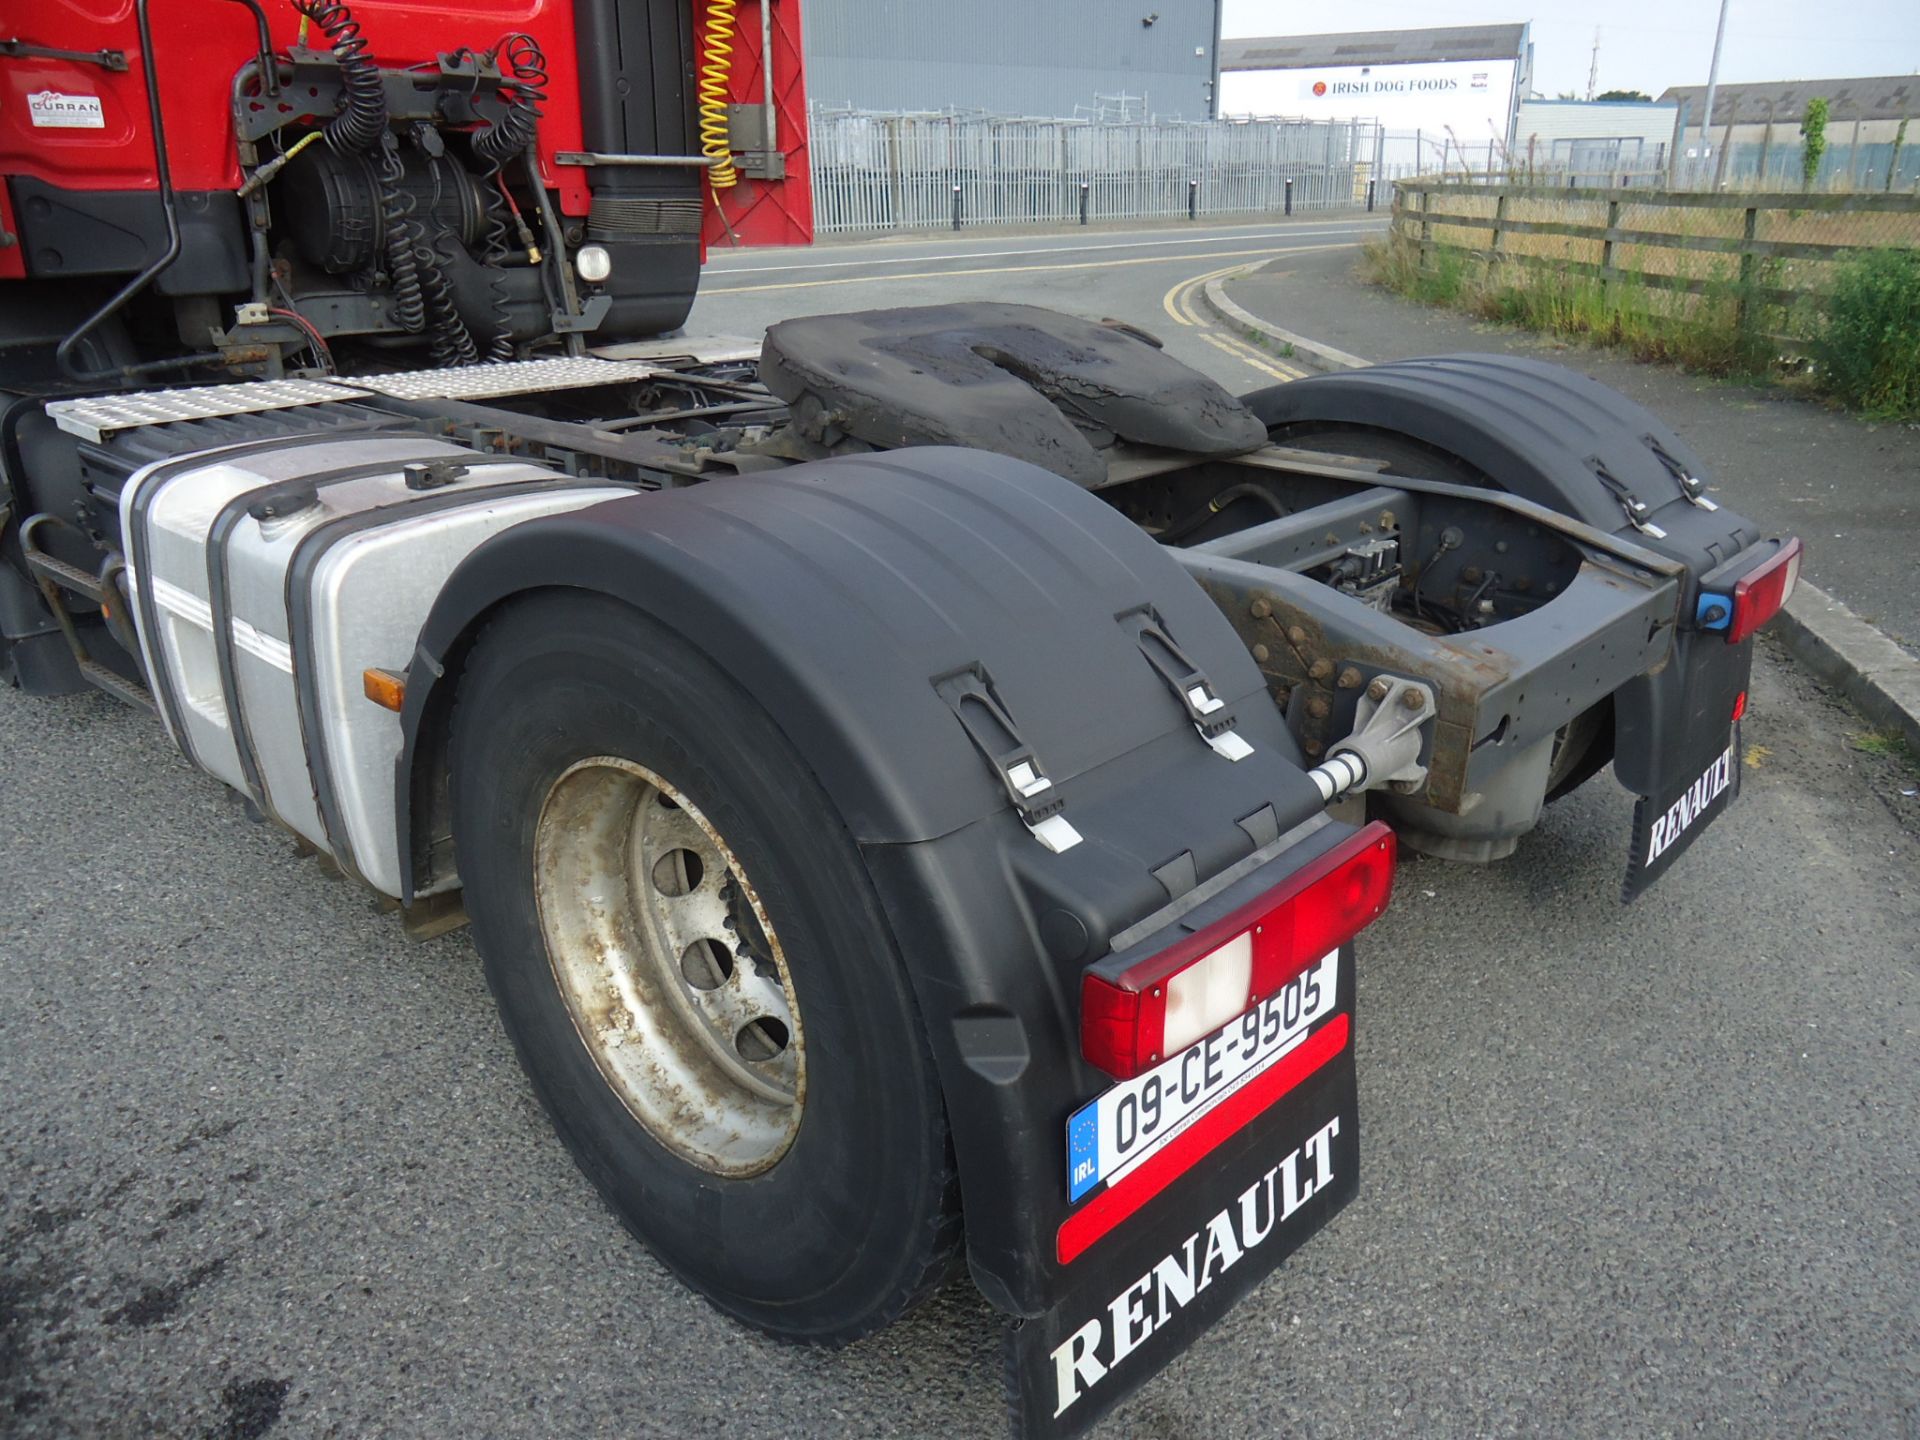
(1201, 1176)
(1111, 1135)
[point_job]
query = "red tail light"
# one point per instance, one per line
(1132, 1018)
(1759, 594)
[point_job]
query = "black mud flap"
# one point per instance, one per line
(1666, 824)
(1147, 1288)
(1678, 749)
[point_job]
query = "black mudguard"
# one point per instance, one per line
(1554, 436)
(855, 598)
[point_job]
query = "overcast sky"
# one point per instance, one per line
(1644, 44)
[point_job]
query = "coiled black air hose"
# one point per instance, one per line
(524, 60)
(498, 143)
(363, 120)
(447, 335)
(403, 238)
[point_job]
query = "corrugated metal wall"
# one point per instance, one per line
(1013, 57)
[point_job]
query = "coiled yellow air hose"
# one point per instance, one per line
(716, 69)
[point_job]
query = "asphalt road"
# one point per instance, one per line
(271, 1169)
(1147, 277)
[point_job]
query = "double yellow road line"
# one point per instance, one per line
(1182, 303)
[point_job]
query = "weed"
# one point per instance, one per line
(1722, 330)
(1883, 743)
(1868, 345)
(1814, 128)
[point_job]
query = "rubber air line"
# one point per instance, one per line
(714, 92)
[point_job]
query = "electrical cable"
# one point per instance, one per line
(1190, 523)
(315, 340)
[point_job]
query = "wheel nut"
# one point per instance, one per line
(1321, 668)
(1378, 689)
(1349, 679)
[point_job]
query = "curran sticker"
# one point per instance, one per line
(53, 110)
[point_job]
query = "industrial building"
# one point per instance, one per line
(1438, 93)
(1013, 57)
(1758, 125)
(1594, 141)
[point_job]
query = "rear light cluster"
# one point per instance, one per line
(1134, 1017)
(1756, 598)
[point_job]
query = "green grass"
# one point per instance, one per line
(1722, 331)
(1883, 743)
(1867, 346)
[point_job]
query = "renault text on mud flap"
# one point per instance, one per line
(1100, 1345)
(1689, 807)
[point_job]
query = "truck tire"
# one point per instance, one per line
(691, 961)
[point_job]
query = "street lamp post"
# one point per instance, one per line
(1713, 80)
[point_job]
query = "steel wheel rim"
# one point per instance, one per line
(670, 967)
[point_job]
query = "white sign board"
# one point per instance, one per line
(1474, 97)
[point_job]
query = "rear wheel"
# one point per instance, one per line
(692, 964)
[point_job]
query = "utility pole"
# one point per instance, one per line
(1593, 70)
(1713, 79)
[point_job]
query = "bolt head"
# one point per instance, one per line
(1261, 654)
(1321, 668)
(1317, 707)
(1296, 637)
(1349, 679)
(1378, 689)
(1411, 699)
(1260, 609)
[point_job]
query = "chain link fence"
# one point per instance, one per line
(1736, 157)
(875, 171)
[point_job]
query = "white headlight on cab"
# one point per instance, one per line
(593, 264)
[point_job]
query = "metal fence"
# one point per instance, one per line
(897, 172)
(1724, 160)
